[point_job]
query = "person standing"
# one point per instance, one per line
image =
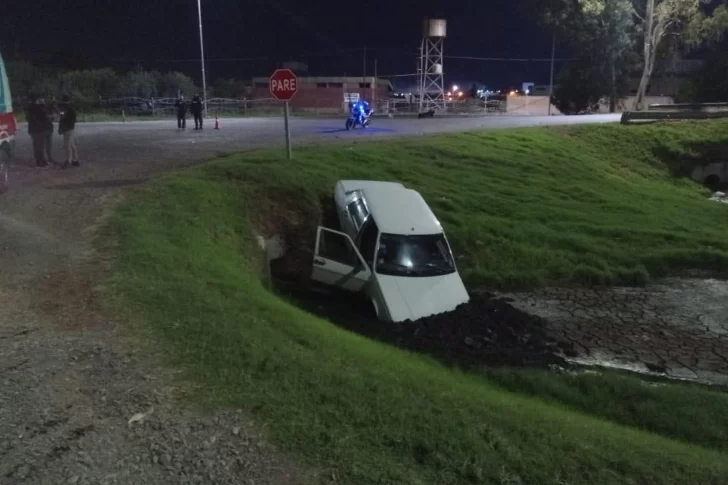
(67, 128)
(50, 112)
(37, 124)
(181, 106)
(196, 108)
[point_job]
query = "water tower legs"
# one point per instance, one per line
(432, 83)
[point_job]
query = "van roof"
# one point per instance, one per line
(354, 185)
(395, 208)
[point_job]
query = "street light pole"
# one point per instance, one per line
(202, 57)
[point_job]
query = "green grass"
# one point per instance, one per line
(689, 413)
(525, 207)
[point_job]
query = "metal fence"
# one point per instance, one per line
(678, 111)
(165, 107)
(469, 106)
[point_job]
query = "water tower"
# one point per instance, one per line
(432, 84)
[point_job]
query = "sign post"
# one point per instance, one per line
(283, 85)
(288, 131)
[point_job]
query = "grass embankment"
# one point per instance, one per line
(530, 207)
(524, 207)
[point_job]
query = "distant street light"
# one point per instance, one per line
(202, 57)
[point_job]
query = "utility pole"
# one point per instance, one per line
(421, 76)
(553, 57)
(202, 57)
(375, 84)
(364, 71)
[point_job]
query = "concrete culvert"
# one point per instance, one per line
(712, 181)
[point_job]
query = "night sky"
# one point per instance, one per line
(247, 38)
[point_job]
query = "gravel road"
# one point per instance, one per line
(81, 401)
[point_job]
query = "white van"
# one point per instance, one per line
(393, 248)
(8, 127)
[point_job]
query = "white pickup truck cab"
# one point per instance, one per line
(392, 247)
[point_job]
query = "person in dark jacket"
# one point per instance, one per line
(196, 108)
(67, 128)
(181, 106)
(37, 127)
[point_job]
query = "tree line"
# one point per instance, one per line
(88, 86)
(611, 39)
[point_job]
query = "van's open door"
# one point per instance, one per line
(337, 261)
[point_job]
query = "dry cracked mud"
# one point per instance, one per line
(677, 327)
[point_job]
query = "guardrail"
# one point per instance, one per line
(688, 106)
(470, 106)
(679, 111)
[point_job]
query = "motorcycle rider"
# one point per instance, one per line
(361, 111)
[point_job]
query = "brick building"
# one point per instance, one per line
(329, 93)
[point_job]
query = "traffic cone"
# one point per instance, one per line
(217, 122)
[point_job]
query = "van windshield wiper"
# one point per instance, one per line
(437, 268)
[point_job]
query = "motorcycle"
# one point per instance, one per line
(355, 119)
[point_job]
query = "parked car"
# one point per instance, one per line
(391, 247)
(8, 127)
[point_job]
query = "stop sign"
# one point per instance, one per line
(283, 84)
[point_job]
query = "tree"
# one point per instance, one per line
(138, 83)
(173, 83)
(607, 31)
(230, 88)
(710, 83)
(684, 20)
(600, 30)
(579, 88)
(27, 79)
(88, 85)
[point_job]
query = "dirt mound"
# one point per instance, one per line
(486, 332)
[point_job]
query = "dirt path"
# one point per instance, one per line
(72, 379)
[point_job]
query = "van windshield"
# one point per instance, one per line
(427, 255)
